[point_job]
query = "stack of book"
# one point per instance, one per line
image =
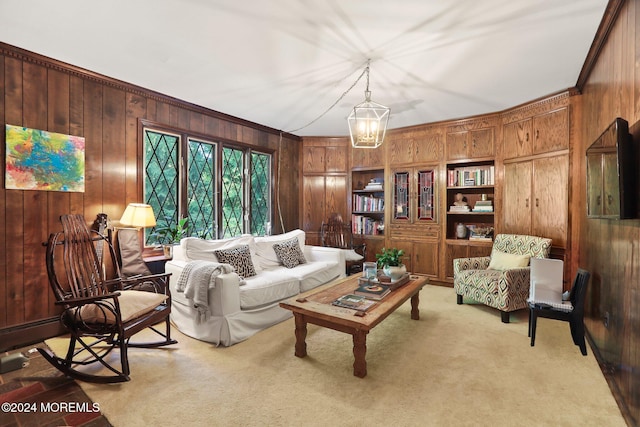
(458, 209)
(374, 185)
(483, 206)
(372, 289)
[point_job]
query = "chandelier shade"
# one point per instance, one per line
(368, 121)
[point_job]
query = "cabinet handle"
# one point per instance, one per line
(537, 133)
(526, 201)
(609, 199)
(537, 202)
(526, 137)
(598, 200)
(474, 143)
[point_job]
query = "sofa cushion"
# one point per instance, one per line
(505, 261)
(266, 255)
(268, 287)
(289, 253)
(314, 273)
(240, 258)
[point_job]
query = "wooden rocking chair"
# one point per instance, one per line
(336, 234)
(101, 314)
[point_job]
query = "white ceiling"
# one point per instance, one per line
(283, 63)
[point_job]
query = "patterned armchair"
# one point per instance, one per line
(502, 279)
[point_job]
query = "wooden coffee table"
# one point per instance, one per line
(315, 307)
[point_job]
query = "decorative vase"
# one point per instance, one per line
(395, 272)
(167, 251)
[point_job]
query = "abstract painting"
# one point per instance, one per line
(41, 160)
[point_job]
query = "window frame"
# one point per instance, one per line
(221, 143)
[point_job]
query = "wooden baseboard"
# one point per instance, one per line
(30, 333)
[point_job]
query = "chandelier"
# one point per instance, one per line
(368, 121)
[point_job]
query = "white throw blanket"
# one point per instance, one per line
(195, 281)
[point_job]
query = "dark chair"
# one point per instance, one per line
(101, 314)
(572, 313)
(338, 234)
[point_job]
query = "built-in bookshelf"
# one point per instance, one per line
(470, 200)
(367, 202)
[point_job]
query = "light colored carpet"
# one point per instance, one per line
(458, 365)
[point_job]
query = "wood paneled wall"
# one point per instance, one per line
(42, 93)
(610, 248)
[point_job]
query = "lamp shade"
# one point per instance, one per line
(138, 215)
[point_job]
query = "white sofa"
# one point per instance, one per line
(240, 307)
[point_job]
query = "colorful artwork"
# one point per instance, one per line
(41, 160)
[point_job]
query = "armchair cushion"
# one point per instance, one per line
(132, 304)
(505, 261)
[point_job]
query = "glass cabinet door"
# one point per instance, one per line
(426, 202)
(401, 208)
(414, 197)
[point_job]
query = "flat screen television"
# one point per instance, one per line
(612, 175)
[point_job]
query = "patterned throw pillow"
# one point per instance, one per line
(289, 253)
(239, 258)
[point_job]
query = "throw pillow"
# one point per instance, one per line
(266, 256)
(289, 253)
(505, 261)
(239, 258)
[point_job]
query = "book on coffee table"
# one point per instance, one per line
(354, 302)
(372, 290)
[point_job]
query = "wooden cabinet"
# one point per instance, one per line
(551, 131)
(324, 183)
(414, 195)
(415, 146)
(470, 144)
(421, 257)
(461, 249)
(536, 198)
(542, 133)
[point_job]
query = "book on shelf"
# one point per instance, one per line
(374, 185)
(372, 289)
(367, 203)
(458, 209)
(361, 224)
(471, 176)
(354, 302)
(483, 209)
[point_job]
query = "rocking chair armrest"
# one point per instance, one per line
(159, 282)
(75, 302)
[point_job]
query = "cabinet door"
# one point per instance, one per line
(336, 159)
(314, 159)
(428, 147)
(401, 191)
(517, 139)
(313, 207)
(594, 184)
(550, 192)
(426, 196)
(457, 145)
(335, 196)
(481, 143)
(453, 252)
(425, 258)
(551, 131)
(516, 204)
(611, 185)
(400, 150)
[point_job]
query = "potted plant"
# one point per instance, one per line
(391, 262)
(171, 233)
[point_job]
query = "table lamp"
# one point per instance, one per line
(138, 215)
